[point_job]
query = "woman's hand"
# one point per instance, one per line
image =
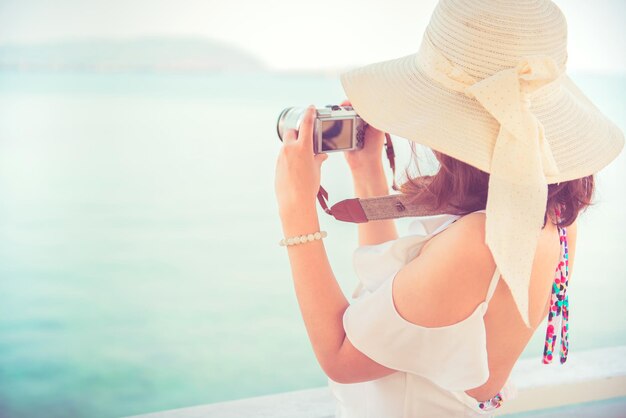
(298, 168)
(369, 156)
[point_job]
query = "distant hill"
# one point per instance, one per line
(145, 54)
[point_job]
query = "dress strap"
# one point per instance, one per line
(493, 284)
(446, 224)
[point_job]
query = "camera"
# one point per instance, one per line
(336, 128)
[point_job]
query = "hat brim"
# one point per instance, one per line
(395, 96)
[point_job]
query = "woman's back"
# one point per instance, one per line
(433, 306)
(507, 336)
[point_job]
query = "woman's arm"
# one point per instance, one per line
(322, 304)
(369, 180)
(320, 297)
(372, 182)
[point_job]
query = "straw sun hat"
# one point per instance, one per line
(488, 86)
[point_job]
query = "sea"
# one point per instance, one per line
(140, 269)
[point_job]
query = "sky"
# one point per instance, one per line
(294, 34)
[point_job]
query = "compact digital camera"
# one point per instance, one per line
(336, 128)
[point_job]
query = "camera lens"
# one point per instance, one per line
(280, 123)
(289, 118)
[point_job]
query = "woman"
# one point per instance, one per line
(441, 316)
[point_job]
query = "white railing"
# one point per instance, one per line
(587, 376)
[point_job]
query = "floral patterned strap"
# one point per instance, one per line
(559, 303)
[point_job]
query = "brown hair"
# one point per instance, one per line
(462, 189)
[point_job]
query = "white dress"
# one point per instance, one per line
(436, 364)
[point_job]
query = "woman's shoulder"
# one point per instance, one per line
(455, 265)
(464, 237)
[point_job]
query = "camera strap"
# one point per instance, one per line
(359, 210)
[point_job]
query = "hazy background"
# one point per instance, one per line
(287, 35)
(139, 260)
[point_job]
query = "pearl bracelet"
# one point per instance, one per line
(300, 239)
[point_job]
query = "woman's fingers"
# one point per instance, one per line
(320, 158)
(289, 136)
(305, 134)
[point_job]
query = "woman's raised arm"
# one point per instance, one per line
(369, 180)
(372, 182)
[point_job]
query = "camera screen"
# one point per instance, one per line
(336, 134)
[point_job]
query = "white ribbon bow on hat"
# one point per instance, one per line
(521, 160)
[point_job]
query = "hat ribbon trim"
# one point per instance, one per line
(521, 158)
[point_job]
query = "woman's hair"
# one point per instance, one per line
(462, 189)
